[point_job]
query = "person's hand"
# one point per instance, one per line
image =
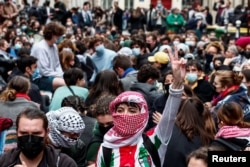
(208, 105)
(178, 68)
(156, 117)
(21, 165)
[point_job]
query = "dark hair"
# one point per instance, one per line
(75, 102)
(123, 62)
(231, 114)
(53, 28)
(81, 47)
(24, 62)
(71, 76)
(147, 71)
(107, 82)
(102, 105)
(195, 120)
(17, 84)
(195, 63)
(32, 113)
(23, 52)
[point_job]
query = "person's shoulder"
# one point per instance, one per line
(56, 157)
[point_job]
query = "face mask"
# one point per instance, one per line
(247, 54)
(216, 67)
(113, 33)
(121, 43)
(190, 43)
(136, 51)
(159, 5)
(31, 145)
(191, 77)
(17, 46)
(129, 124)
(70, 142)
(24, 27)
(166, 87)
(199, 52)
(99, 49)
(176, 43)
(209, 57)
(35, 74)
(104, 130)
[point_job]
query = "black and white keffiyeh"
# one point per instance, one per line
(65, 119)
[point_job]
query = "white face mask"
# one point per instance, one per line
(176, 43)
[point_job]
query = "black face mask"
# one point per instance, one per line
(199, 52)
(104, 130)
(166, 87)
(209, 57)
(113, 33)
(247, 54)
(31, 145)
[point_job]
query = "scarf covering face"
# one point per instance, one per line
(232, 132)
(65, 119)
(128, 128)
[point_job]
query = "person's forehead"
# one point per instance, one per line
(30, 125)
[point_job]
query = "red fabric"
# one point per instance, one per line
(224, 94)
(127, 156)
(232, 132)
(127, 125)
(5, 123)
(23, 95)
(243, 42)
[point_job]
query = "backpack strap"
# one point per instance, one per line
(71, 90)
(151, 150)
(106, 155)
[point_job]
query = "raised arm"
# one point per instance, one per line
(165, 126)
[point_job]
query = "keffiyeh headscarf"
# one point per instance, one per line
(128, 128)
(65, 119)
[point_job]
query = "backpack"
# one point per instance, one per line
(147, 144)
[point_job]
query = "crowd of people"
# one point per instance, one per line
(144, 87)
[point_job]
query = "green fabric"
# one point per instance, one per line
(94, 147)
(172, 19)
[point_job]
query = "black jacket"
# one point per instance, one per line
(54, 158)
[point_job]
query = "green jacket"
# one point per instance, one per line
(175, 22)
(94, 144)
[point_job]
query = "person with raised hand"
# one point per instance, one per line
(125, 144)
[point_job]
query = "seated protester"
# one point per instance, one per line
(123, 67)
(26, 67)
(13, 100)
(194, 127)
(85, 60)
(48, 62)
(74, 86)
(78, 104)
(65, 128)
(160, 60)
(7, 63)
(104, 123)
(229, 88)
(232, 128)
(32, 132)
(195, 78)
(123, 143)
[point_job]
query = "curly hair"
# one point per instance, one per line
(53, 29)
(146, 72)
